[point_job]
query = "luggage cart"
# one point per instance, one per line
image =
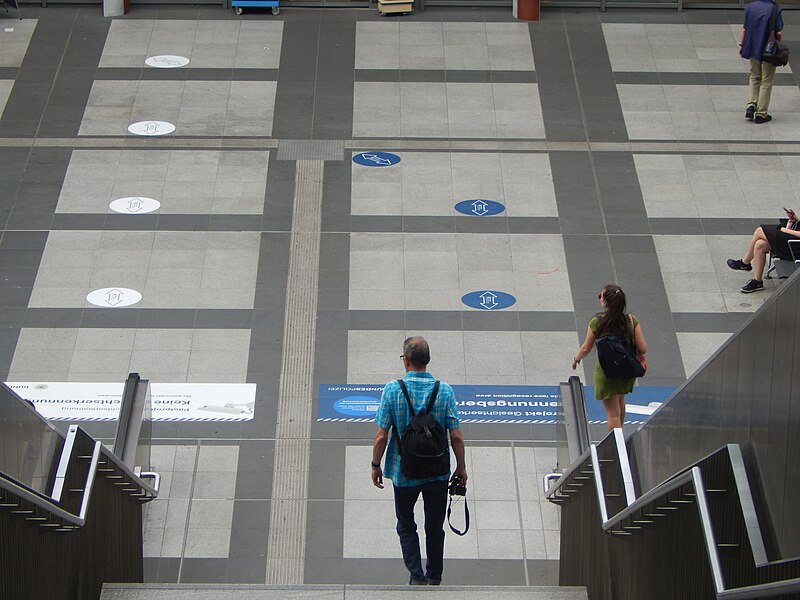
(239, 5)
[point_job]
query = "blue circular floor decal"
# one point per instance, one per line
(488, 300)
(376, 159)
(480, 207)
(357, 406)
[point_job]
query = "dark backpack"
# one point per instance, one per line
(618, 358)
(423, 447)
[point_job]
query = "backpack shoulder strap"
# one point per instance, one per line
(408, 398)
(773, 17)
(432, 401)
(631, 320)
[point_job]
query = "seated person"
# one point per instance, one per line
(766, 238)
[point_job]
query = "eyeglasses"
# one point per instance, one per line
(402, 356)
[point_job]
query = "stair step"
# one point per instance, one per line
(184, 591)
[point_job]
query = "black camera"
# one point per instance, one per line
(457, 487)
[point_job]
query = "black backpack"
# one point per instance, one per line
(423, 448)
(618, 358)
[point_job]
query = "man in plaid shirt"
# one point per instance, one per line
(393, 412)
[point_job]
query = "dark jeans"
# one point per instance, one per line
(434, 497)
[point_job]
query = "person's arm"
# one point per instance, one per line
(638, 337)
(378, 448)
(585, 349)
(791, 232)
(741, 41)
(457, 441)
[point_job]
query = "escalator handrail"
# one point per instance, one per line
(693, 476)
(146, 491)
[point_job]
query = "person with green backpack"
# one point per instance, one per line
(620, 353)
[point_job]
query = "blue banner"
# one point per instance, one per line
(487, 403)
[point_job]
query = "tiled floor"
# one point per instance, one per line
(615, 141)
(183, 182)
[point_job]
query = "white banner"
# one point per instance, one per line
(171, 401)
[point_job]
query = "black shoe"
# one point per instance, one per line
(739, 265)
(752, 286)
(765, 119)
(415, 581)
(432, 581)
(751, 110)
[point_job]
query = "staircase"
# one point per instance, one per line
(130, 591)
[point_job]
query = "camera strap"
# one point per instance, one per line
(466, 517)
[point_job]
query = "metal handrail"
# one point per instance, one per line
(645, 499)
(708, 530)
(90, 478)
(30, 497)
(691, 476)
(146, 491)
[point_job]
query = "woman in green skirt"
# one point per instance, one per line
(612, 321)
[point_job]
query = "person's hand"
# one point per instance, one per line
(461, 473)
(575, 364)
(377, 477)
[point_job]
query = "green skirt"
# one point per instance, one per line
(605, 388)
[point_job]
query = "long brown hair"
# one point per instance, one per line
(613, 321)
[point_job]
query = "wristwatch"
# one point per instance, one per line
(374, 466)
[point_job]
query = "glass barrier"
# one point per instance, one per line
(29, 446)
(146, 431)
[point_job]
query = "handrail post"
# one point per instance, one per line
(598, 483)
(708, 530)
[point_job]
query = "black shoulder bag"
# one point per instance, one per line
(775, 53)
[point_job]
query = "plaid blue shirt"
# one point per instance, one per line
(393, 412)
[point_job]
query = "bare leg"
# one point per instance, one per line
(758, 235)
(760, 258)
(612, 406)
(621, 409)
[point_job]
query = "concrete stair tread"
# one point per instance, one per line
(187, 591)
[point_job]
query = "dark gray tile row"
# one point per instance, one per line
(171, 222)
(558, 94)
(709, 322)
(701, 226)
(592, 70)
(193, 74)
(333, 94)
(453, 320)
(314, 97)
(449, 224)
(447, 75)
(143, 318)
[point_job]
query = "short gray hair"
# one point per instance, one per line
(416, 350)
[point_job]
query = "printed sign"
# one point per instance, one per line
(170, 401)
(376, 159)
(488, 300)
(487, 403)
(150, 128)
(167, 61)
(480, 208)
(113, 297)
(135, 205)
